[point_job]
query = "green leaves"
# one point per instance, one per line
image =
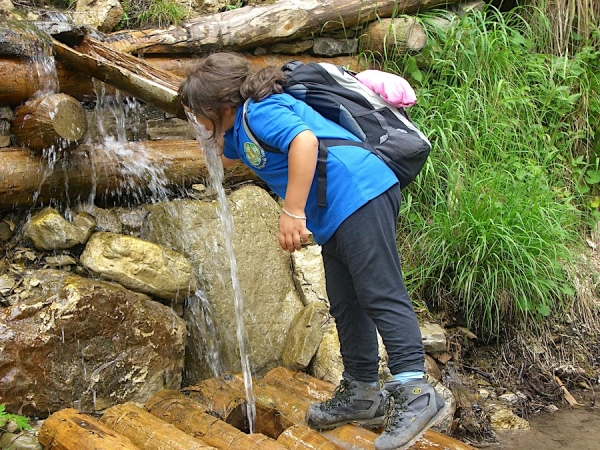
(22, 422)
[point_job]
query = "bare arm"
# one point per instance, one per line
(302, 162)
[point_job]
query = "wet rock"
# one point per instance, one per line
(21, 441)
(106, 219)
(48, 230)
(60, 261)
(87, 344)
(304, 336)
(269, 297)
(139, 265)
(309, 275)
(434, 337)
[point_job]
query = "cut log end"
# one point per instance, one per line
(69, 120)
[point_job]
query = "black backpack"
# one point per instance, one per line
(338, 95)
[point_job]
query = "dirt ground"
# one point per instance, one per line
(575, 428)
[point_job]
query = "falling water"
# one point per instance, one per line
(205, 341)
(215, 170)
(137, 170)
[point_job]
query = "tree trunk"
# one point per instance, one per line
(124, 72)
(187, 415)
(53, 121)
(147, 431)
(69, 429)
(249, 27)
(29, 180)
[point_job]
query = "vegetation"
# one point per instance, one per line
(143, 13)
(20, 421)
(495, 222)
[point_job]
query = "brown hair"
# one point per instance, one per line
(226, 79)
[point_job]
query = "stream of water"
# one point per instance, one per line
(215, 169)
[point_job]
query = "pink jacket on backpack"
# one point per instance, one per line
(392, 88)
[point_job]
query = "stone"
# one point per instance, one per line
(48, 230)
(104, 15)
(434, 337)
(292, 48)
(139, 265)
(106, 219)
(60, 260)
(327, 363)
(20, 441)
(304, 336)
(504, 419)
(324, 46)
(269, 297)
(309, 275)
(76, 342)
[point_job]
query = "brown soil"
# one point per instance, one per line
(573, 428)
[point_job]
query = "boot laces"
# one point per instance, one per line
(341, 396)
(395, 408)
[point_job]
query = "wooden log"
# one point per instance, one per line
(299, 437)
(250, 27)
(52, 121)
(30, 180)
(148, 432)
(218, 396)
(20, 81)
(299, 384)
(189, 416)
(390, 37)
(220, 399)
(69, 429)
(125, 72)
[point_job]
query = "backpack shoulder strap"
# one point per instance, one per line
(257, 141)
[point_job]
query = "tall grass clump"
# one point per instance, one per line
(493, 224)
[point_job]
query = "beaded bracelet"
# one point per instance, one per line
(293, 216)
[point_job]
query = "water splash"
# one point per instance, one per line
(215, 170)
(205, 341)
(139, 177)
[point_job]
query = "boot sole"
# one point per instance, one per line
(365, 423)
(440, 415)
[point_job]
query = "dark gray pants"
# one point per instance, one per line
(367, 293)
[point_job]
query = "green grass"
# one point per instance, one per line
(491, 228)
(145, 13)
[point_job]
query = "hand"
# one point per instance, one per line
(292, 233)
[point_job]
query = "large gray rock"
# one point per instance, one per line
(86, 344)
(270, 301)
(49, 230)
(139, 265)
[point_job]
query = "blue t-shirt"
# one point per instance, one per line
(354, 175)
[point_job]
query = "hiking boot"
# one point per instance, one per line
(352, 402)
(410, 409)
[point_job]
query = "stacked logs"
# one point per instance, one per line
(211, 415)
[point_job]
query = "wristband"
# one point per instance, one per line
(293, 216)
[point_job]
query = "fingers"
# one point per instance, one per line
(291, 242)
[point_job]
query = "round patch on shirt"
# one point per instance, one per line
(255, 155)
